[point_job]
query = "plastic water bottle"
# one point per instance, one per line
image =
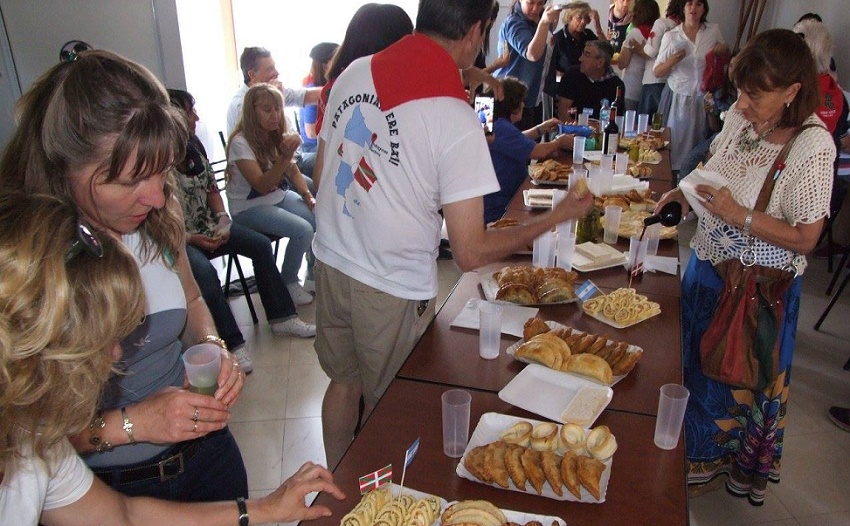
(605, 111)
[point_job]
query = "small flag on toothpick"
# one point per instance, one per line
(408, 458)
(586, 291)
(376, 479)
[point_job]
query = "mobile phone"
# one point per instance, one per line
(484, 109)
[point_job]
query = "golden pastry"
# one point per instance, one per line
(450, 515)
(519, 433)
(590, 475)
(544, 437)
(533, 469)
(591, 366)
(516, 293)
(494, 463)
(573, 437)
(546, 349)
(551, 462)
(474, 463)
(513, 463)
(626, 363)
(601, 443)
(533, 327)
(569, 473)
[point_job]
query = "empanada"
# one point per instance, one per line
(591, 366)
(533, 469)
(546, 349)
(516, 293)
(551, 462)
(569, 473)
(513, 464)
(474, 463)
(590, 475)
(494, 463)
(626, 363)
(533, 327)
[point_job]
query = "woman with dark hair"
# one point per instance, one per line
(511, 148)
(633, 61)
(373, 27)
(731, 430)
(653, 85)
(100, 130)
(321, 54)
(682, 59)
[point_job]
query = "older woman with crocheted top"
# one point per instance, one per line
(732, 431)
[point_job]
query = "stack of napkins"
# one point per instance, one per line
(599, 253)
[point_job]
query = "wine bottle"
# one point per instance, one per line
(611, 134)
(669, 215)
(615, 103)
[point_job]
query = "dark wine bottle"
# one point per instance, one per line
(669, 215)
(611, 134)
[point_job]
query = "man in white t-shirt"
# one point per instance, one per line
(258, 66)
(399, 143)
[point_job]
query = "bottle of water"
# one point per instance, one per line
(605, 112)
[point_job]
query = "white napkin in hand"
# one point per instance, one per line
(697, 177)
(513, 317)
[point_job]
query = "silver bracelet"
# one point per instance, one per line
(748, 223)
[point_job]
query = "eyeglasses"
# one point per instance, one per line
(85, 240)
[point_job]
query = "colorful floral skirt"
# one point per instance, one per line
(728, 430)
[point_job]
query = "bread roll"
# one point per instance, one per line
(591, 366)
(544, 437)
(601, 443)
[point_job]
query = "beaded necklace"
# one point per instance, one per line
(748, 143)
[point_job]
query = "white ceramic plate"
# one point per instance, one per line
(491, 288)
(612, 323)
(489, 429)
(548, 393)
(555, 325)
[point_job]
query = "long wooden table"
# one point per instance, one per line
(646, 484)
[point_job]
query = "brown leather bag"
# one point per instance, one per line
(740, 347)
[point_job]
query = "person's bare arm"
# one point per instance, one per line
(625, 57)
(473, 246)
(311, 97)
(102, 505)
(545, 150)
(536, 49)
(662, 69)
(264, 182)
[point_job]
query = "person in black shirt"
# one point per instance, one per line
(585, 86)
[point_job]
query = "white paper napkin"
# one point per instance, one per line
(689, 183)
(661, 264)
(513, 317)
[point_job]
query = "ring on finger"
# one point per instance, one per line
(710, 198)
(195, 427)
(195, 415)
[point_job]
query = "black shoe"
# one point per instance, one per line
(445, 253)
(840, 416)
(235, 287)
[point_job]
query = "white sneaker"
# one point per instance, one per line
(241, 354)
(310, 286)
(298, 294)
(294, 327)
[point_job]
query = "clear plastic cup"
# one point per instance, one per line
(583, 119)
(642, 123)
(456, 407)
(202, 363)
(607, 161)
(490, 329)
(621, 163)
(612, 223)
(630, 121)
(672, 401)
(566, 246)
(543, 251)
(578, 150)
(652, 235)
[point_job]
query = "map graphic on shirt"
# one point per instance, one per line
(353, 166)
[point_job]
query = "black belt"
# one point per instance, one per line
(167, 468)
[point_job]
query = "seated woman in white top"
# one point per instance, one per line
(266, 191)
(69, 295)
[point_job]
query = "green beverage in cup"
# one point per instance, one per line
(202, 363)
(657, 119)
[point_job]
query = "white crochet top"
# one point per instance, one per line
(801, 194)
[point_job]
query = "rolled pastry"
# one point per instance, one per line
(573, 438)
(601, 443)
(544, 437)
(519, 433)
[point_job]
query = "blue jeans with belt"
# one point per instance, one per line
(214, 472)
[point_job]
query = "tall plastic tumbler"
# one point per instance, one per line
(456, 406)
(672, 401)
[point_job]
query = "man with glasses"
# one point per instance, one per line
(585, 85)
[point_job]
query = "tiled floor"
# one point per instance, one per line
(278, 426)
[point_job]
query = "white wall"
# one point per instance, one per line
(142, 30)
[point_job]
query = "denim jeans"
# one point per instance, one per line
(216, 472)
(290, 218)
(273, 294)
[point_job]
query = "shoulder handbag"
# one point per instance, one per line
(740, 347)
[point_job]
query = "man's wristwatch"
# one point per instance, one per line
(243, 511)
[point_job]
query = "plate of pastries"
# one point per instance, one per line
(634, 200)
(391, 505)
(565, 462)
(550, 172)
(621, 308)
(631, 225)
(568, 350)
(525, 285)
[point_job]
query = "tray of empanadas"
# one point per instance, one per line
(484, 513)
(575, 352)
(621, 308)
(539, 458)
(392, 505)
(524, 285)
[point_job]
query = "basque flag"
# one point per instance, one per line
(411, 452)
(377, 479)
(586, 291)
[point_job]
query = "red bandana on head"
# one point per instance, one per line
(415, 68)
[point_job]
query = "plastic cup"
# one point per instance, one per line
(606, 181)
(657, 121)
(543, 251)
(456, 406)
(566, 245)
(490, 329)
(621, 163)
(607, 161)
(612, 223)
(621, 123)
(594, 179)
(637, 254)
(672, 401)
(642, 123)
(578, 150)
(203, 362)
(652, 235)
(630, 121)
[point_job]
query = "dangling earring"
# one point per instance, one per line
(787, 103)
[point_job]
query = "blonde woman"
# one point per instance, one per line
(266, 191)
(59, 335)
(569, 41)
(100, 130)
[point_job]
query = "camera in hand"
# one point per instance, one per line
(669, 215)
